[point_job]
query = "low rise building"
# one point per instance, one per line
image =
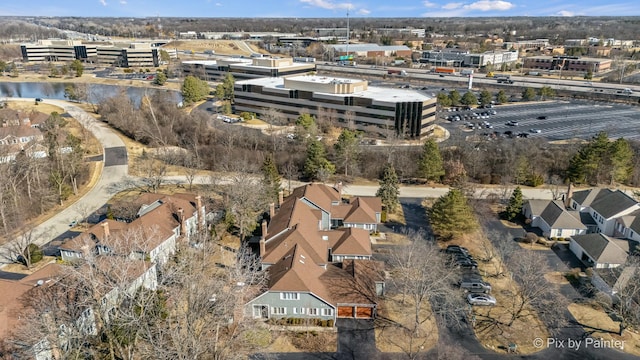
(216, 70)
(567, 63)
(367, 107)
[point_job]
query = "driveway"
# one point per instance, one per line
(112, 179)
(356, 339)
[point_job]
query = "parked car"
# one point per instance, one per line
(457, 249)
(535, 131)
(475, 286)
(481, 299)
(73, 223)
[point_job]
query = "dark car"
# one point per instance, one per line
(542, 117)
(38, 99)
(457, 249)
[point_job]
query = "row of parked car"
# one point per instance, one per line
(471, 282)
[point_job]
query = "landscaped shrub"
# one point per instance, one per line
(330, 323)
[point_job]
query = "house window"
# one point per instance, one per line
(299, 311)
(312, 311)
(327, 312)
(289, 296)
(279, 311)
(631, 234)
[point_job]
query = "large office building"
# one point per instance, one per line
(125, 55)
(567, 63)
(457, 57)
(215, 70)
(369, 108)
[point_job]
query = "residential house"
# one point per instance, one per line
(299, 288)
(553, 219)
(599, 250)
(152, 235)
(628, 226)
(317, 251)
(604, 205)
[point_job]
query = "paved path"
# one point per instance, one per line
(112, 179)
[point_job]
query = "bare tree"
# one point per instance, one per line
(247, 199)
(420, 275)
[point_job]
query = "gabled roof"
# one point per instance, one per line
(554, 214)
(293, 211)
(311, 242)
(558, 218)
(602, 248)
(319, 194)
(361, 211)
(352, 241)
(587, 197)
(295, 272)
(613, 203)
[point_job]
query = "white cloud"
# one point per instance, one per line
(327, 4)
(489, 5)
(103, 2)
(123, 2)
(565, 13)
(451, 6)
(218, 4)
(429, 4)
(364, 12)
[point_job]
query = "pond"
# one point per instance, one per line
(97, 92)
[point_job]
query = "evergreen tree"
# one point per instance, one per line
(443, 100)
(389, 188)
(620, 160)
(469, 99)
(194, 89)
(454, 95)
(316, 166)
(485, 97)
(528, 94)
(224, 90)
(270, 177)
(589, 164)
(514, 208)
(546, 92)
(347, 150)
(451, 215)
(76, 65)
(160, 79)
(430, 166)
(501, 97)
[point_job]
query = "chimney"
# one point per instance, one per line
(567, 199)
(105, 228)
(272, 210)
(263, 246)
(263, 238)
(200, 212)
(183, 225)
(280, 197)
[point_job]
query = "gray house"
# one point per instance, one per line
(553, 219)
(599, 250)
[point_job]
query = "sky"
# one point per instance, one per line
(317, 8)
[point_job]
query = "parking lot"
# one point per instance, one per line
(552, 120)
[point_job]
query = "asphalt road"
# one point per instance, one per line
(112, 180)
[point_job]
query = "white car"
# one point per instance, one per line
(481, 299)
(535, 131)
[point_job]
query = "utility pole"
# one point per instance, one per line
(348, 7)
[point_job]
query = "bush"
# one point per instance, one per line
(32, 252)
(330, 323)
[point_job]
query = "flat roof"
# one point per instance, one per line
(293, 65)
(385, 94)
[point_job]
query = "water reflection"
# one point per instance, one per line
(97, 92)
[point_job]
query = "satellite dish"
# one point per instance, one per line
(40, 283)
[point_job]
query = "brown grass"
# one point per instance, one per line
(393, 337)
(223, 47)
(524, 330)
(21, 269)
(592, 318)
(28, 106)
(89, 78)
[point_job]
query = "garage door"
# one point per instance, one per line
(345, 311)
(364, 312)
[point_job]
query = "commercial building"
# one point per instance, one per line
(124, 55)
(567, 63)
(370, 50)
(215, 70)
(348, 101)
(457, 57)
(524, 45)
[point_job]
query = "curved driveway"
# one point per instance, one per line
(112, 179)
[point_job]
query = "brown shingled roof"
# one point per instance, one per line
(319, 194)
(353, 241)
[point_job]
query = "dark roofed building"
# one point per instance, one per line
(599, 250)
